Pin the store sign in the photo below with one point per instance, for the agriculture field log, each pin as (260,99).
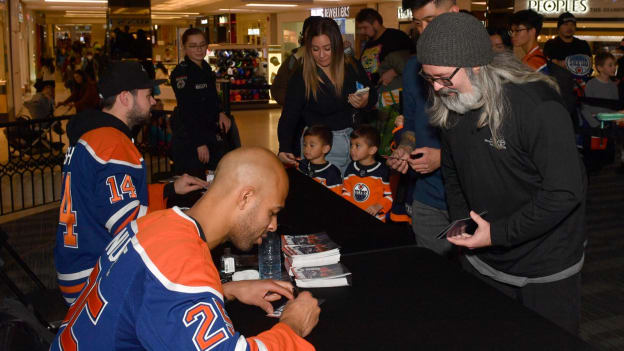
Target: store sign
(331,12)
(580,8)
(558,6)
(404,14)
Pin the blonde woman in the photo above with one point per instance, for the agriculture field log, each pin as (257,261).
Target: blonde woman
(322,91)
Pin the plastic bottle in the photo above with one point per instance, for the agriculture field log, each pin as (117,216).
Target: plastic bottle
(269,257)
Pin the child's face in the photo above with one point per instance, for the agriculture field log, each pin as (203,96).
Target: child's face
(608,67)
(360,150)
(314,149)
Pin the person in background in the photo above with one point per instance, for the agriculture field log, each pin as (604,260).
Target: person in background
(526,25)
(85,93)
(290,65)
(366,183)
(317,142)
(156,286)
(90,67)
(41,105)
(419,148)
(508,148)
(199,117)
(566,45)
(161,71)
(602,86)
(46,74)
(322,91)
(501,41)
(381,41)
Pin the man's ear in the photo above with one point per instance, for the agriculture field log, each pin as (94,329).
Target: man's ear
(245,197)
(476,70)
(454,8)
(372,150)
(124,98)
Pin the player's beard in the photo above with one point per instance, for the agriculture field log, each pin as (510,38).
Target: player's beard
(461,102)
(136,116)
(245,234)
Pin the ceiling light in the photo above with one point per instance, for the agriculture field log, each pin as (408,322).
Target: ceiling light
(272,5)
(175,13)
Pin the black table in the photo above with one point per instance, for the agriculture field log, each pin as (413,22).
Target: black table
(310,208)
(403,297)
(409,298)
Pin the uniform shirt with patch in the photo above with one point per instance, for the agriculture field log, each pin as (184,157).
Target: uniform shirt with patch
(142,296)
(365,186)
(326,174)
(198,103)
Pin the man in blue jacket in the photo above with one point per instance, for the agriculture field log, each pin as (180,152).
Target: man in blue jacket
(421,141)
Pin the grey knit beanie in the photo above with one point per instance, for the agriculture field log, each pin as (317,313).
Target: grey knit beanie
(455,40)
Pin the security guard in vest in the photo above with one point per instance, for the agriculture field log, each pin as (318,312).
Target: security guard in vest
(198,117)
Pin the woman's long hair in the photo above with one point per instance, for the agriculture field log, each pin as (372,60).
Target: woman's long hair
(328,27)
(489,80)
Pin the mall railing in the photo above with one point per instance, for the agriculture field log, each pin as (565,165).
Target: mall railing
(32,154)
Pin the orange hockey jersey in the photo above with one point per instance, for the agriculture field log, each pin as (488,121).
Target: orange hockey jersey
(365,186)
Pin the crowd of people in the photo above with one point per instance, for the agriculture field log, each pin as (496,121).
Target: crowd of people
(483,134)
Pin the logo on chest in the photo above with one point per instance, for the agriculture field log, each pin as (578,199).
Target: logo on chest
(500,143)
(361,192)
(201,86)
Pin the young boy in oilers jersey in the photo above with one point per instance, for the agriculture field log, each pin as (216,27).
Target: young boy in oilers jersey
(317,142)
(155,286)
(366,179)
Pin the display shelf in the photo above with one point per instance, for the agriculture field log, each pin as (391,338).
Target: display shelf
(244,67)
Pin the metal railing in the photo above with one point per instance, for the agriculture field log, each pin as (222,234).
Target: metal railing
(32,154)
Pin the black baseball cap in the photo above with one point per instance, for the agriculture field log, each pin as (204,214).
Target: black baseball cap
(125,76)
(565,17)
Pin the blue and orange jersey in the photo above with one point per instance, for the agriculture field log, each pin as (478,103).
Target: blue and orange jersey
(535,59)
(365,186)
(104,188)
(326,174)
(155,287)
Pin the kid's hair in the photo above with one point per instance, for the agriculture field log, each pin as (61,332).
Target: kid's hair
(602,57)
(369,134)
(321,132)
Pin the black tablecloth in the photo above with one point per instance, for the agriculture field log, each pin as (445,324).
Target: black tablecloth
(409,298)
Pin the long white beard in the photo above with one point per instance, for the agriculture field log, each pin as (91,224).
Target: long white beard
(461,102)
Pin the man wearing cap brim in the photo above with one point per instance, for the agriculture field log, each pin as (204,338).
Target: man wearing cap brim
(508,148)
(566,44)
(104,183)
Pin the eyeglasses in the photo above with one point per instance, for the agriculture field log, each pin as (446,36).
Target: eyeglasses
(446,81)
(193,47)
(514,31)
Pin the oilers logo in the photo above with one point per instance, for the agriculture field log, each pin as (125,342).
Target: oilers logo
(361,192)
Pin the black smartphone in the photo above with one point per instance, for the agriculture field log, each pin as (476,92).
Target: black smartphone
(459,227)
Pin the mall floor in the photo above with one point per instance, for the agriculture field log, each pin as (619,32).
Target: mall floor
(603,274)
